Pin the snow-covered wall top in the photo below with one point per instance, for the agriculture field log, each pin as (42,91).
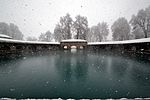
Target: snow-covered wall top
(122,42)
(74,40)
(25,42)
(77,40)
(5,36)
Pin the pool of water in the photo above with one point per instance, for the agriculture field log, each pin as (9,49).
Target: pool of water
(81,74)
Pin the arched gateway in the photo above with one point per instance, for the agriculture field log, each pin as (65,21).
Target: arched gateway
(73,43)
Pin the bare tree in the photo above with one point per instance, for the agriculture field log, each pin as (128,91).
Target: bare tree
(42,37)
(47,37)
(29,38)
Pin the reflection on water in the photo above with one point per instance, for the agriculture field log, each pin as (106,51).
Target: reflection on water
(73,50)
(79,74)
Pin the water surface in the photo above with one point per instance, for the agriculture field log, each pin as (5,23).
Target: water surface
(65,74)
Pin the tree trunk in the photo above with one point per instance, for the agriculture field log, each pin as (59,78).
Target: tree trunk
(145,33)
(77,33)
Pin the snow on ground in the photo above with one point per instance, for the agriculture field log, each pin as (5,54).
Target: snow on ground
(121,42)
(74,40)
(24,42)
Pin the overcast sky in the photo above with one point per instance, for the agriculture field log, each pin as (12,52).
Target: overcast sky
(36,16)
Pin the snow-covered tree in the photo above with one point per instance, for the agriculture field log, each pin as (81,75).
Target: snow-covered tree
(138,32)
(4,28)
(15,33)
(91,34)
(81,27)
(63,29)
(98,33)
(48,36)
(120,29)
(11,30)
(142,20)
(58,33)
(103,30)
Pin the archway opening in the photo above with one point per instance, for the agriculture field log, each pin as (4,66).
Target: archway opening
(73,47)
(65,47)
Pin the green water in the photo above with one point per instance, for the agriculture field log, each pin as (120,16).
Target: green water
(65,74)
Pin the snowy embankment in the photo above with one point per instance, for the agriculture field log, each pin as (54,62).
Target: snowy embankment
(5,36)
(73,40)
(25,42)
(144,40)
(80,99)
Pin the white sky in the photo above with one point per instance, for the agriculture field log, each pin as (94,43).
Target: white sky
(36,16)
